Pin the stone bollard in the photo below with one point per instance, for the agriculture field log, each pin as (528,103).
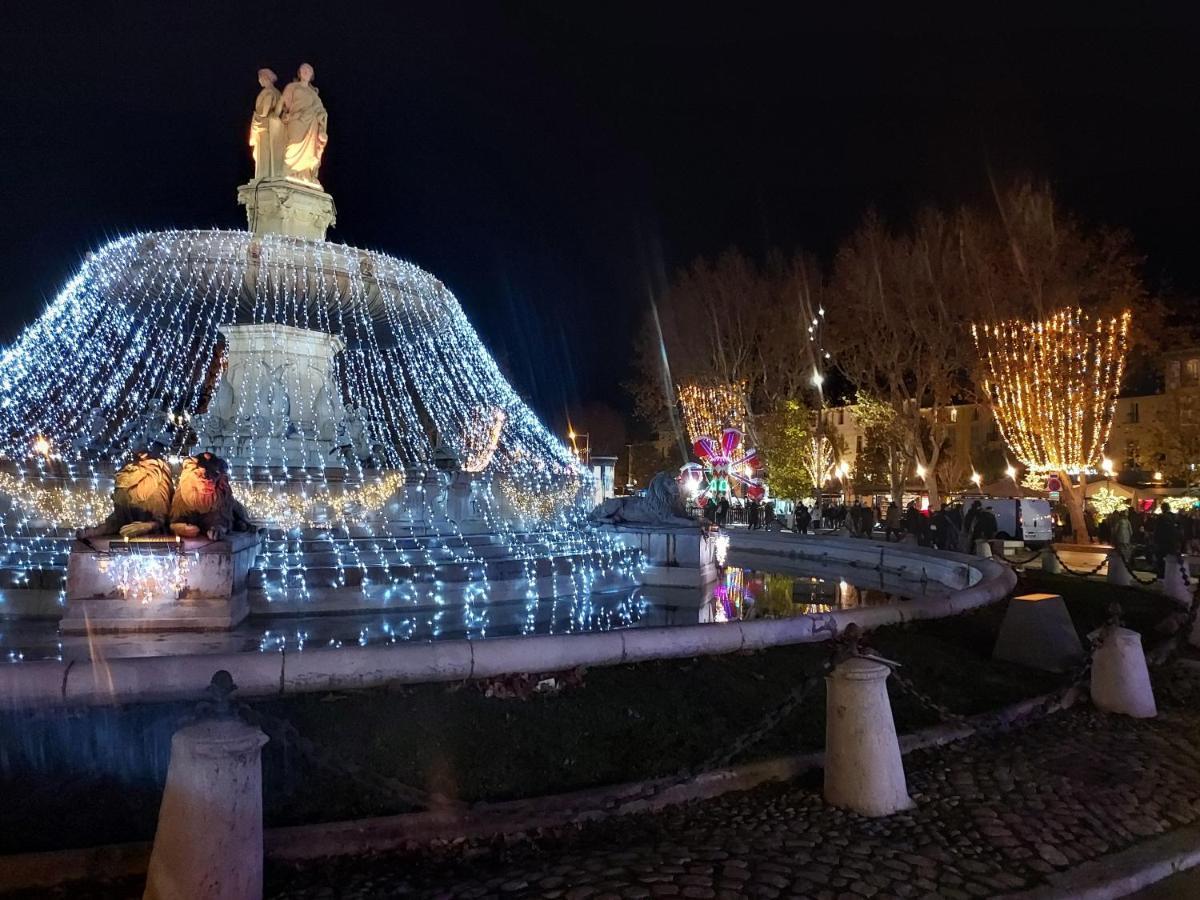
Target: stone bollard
(1037,631)
(209,840)
(1118,569)
(863,769)
(984,549)
(1050,563)
(1120,679)
(1173,584)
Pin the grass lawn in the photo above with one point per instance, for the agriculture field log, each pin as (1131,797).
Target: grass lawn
(94,776)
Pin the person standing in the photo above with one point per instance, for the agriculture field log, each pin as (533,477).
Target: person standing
(912,519)
(1167,540)
(939,523)
(969,525)
(1122,535)
(867,520)
(891,522)
(985,524)
(803,518)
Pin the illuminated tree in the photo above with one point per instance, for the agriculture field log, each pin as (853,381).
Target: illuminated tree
(710,409)
(1053,384)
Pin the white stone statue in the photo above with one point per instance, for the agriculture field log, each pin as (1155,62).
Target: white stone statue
(662,505)
(266,128)
(304,123)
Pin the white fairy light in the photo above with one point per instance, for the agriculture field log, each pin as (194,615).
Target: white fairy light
(126,354)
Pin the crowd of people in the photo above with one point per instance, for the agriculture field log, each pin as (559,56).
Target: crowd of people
(1153,533)
(951,527)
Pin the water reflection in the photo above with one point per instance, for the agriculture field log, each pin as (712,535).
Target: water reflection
(745,594)
(738,594)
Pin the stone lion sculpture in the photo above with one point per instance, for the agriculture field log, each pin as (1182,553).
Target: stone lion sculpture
(662,505)
(141,495)
(204,501)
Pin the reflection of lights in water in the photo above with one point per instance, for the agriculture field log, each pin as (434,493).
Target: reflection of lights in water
(145,578)
(569,614)
(746,594)
(848,596)
(721,544)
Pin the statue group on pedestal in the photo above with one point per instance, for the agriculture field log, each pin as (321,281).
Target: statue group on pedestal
(288,131)
(147,501)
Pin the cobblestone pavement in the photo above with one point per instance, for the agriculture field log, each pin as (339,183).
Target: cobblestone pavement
(995,814)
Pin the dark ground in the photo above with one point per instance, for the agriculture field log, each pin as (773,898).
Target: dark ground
(94,776)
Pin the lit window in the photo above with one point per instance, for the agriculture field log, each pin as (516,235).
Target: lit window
(1191,372)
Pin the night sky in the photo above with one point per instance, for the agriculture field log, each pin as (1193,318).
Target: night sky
(554,162)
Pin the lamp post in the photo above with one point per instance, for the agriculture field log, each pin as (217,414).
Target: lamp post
(586,455)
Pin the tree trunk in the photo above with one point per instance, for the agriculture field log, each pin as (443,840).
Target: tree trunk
(931,487)
(896,477)
(1072,496)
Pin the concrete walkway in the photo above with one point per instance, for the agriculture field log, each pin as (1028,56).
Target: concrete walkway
(995,815)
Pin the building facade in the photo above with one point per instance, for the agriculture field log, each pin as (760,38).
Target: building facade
(1154,437)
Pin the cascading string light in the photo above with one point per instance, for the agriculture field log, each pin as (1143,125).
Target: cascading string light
(710,409)
(141,323)
(1053,385)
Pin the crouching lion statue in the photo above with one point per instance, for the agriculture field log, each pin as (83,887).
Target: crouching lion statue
(204,501)
(141,497)
(662,505)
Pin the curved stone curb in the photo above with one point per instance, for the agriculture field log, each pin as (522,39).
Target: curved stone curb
(296,843)
(1124,872)
(974,582)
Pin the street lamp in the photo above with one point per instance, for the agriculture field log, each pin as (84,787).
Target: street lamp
(587,445)
(920,471)
(1011,472)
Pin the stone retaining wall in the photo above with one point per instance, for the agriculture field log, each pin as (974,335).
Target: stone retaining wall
(973,582)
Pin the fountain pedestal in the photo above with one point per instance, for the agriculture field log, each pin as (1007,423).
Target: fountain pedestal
(158,584)
(281,205)
(278,403)
(676,556)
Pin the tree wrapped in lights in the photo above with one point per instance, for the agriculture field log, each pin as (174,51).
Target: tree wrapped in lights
(1053,385)
(709,409)
(820,458)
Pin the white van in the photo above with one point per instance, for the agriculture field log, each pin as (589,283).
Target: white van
(1027,519)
